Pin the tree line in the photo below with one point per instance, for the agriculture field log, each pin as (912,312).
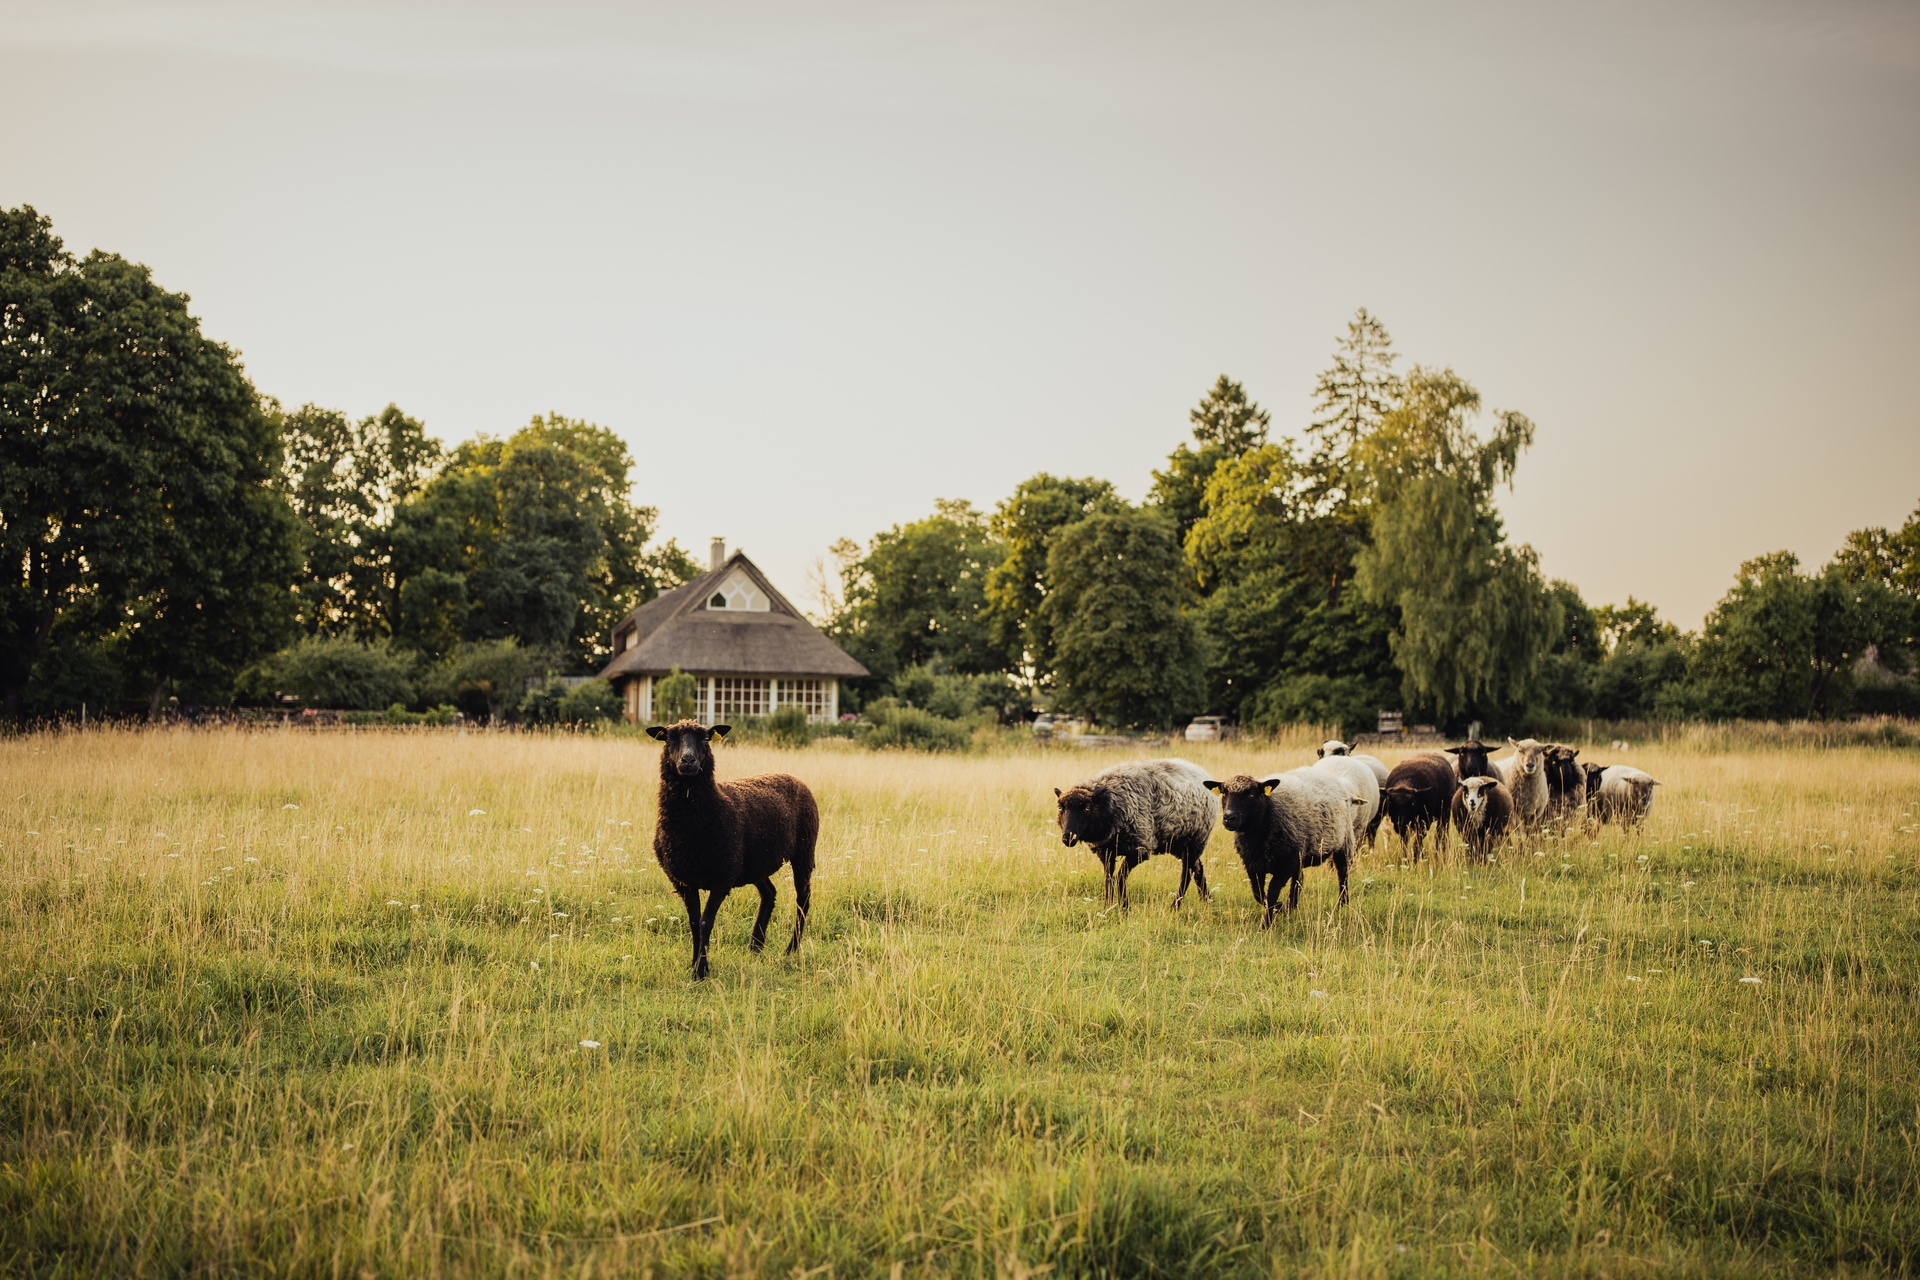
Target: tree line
(179,539)
(1359,565)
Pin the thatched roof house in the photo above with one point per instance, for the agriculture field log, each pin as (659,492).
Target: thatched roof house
(750,651)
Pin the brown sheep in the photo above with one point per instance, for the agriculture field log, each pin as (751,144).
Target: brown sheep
(1483,811)
(1418,798)
(720,836)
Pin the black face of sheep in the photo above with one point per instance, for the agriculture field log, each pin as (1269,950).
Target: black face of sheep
(1243,801)
(1085,814)
(689,746)
(1473,755)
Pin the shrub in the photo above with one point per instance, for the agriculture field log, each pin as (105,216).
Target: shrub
(333,671)
(675,697)
(541,704)
(494,673)
(787,727)
(910,728)
(958,697)
(397,714)
(590,702)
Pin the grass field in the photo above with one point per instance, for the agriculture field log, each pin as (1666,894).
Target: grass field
(416,1004)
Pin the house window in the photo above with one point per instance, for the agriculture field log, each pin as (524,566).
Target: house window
(811,696)
(738,696)
(739,592)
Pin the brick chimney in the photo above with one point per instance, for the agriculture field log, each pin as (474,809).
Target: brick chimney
(719,552)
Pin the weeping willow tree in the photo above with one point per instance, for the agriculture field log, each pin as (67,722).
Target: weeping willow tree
(1474,615)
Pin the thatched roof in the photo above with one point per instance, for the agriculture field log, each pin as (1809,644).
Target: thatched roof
(678,629)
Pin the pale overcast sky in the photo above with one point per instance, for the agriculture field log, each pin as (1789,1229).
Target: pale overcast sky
(821,264)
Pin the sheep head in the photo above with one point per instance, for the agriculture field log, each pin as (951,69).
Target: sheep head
(1333,747)
(1473,793)
(1243,800)
(1084,813)
(1528,755)
(688,749)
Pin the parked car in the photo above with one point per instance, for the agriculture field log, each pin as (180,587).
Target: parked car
(1043,726)
(1207,729)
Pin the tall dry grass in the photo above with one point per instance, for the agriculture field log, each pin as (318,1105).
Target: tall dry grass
(320,1004)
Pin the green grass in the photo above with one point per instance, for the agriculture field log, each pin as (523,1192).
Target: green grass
(211,1065)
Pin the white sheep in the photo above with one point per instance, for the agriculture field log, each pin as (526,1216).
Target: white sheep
(1360,779)
(1337,748)
(1525,775)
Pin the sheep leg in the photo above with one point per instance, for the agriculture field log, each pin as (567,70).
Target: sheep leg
(714,900)
(803,901)
(1186,878)
(759,939)
(1200,879)
(1126,869)
(1259,886)
(1106,862)
(1272,900)
(691,897)
(1293,892)
(1340,860)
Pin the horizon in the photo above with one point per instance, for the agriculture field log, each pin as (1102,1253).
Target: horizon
(891,256)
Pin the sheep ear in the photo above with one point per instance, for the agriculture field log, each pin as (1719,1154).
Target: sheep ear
(1573,753)
(1209,784)
(1321,752)
(1453,751)
(1266,788)
(722,730)
(657,731)
(1512,743)
(1056,791)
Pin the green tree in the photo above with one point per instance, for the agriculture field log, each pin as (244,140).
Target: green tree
(140,503)
(918,595)
(345,480)
(534,537)
(335,671)
(1125,653)
(1785,645)
(1025,525)
(1352,397)
(1284,642)
(1635,622)
(1226,424)
(1474,616)
(676,696)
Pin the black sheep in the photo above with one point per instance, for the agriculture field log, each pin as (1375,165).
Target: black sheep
(1418,797)
(1284,824)
(1566,782)
(719,836)
(1473,761)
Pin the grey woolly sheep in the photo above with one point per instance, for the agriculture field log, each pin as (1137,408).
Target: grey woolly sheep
(1134,810)
(1284,824)
(1626,793)
(1360,780)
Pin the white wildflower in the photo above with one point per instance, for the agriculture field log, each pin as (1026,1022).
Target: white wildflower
(476,813)
(589,1044)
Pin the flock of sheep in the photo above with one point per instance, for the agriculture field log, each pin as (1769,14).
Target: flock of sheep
(718,836)
(1283,823)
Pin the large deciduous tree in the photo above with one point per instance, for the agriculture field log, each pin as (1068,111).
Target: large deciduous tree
(1124,651)
(917,596)
(1474,616)
(1025,525)
(1226,424)
(534,538)
(141,507)
(346,479)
